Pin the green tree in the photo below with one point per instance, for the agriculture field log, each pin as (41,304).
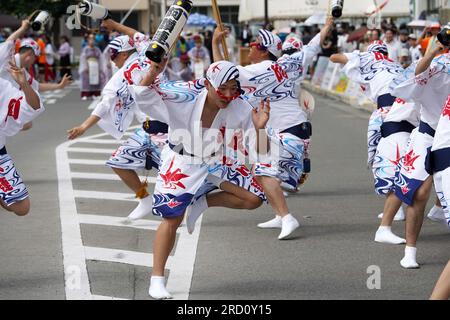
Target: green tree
(23,8)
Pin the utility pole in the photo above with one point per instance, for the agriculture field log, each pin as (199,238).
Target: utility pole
(266,13)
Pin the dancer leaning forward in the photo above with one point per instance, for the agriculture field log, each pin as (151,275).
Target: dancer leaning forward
(209,123)
(427,151)
(117,109)
(278,78)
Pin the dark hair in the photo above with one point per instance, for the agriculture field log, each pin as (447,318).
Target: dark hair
(392,30)
(25,49)
(271,56)
(65,38)
(290,51)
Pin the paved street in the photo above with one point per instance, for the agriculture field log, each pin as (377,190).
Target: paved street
(75,243)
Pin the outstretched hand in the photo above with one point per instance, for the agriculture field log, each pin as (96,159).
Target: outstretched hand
(261,116)
(75,132)
(65,81)
(218,35)
(108,24)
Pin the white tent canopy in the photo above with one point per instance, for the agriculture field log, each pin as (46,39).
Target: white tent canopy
(300,9)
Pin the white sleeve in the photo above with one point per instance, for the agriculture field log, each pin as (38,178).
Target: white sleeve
(245,75)
(424,86)
(150,102)
(351,68)
(311,50)
(6,53)
(141,42)
(108,101)
(16,111)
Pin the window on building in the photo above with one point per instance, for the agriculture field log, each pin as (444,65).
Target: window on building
(230,15)
(200,10)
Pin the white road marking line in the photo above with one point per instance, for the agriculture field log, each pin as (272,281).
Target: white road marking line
(181,264)
(88,161)
(99,297)
(91,150)
(72,245)
(105,176)
(50,101)
(120,256)
(91,194)
(118,222)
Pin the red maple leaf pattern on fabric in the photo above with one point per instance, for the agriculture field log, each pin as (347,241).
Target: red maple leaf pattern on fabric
(173,203)
(243,170)
(405,189)
(446,109)
(398,158)
(172,178)
(5,186)
(408,161)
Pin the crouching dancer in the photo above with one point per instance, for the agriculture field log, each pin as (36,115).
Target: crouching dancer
(210,110)
(20,106)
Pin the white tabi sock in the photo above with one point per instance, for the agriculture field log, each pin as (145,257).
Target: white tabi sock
(194,211)
(399,216)
(409,260)
(274,223)
(436,214)
(143,208)
(288,225)
(384,234)
(158,289)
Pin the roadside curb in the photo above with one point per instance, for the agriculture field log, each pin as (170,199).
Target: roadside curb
(349,100)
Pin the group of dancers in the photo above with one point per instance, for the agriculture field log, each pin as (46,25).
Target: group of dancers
(239,135)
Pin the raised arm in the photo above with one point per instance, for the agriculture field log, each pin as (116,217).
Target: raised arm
(111,25)
(339,58)
(217,43)
(425,62)
(19,76)
(326,28)
(19,32)
(152,74)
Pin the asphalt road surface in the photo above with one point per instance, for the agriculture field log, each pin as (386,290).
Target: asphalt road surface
(75,243)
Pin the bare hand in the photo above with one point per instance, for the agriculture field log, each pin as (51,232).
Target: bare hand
(25,24)
(75,132)
(218,35)
(108,24)
(261,116)
(438,48)
(18,74)
(330,21)
(65,81)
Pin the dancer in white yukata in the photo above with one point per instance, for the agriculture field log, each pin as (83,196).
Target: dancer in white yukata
(19,106)
(207,126)
(396,129)
(288,126)
(28,52)
(413,181)
(375,71)
(117,109)
(291,46)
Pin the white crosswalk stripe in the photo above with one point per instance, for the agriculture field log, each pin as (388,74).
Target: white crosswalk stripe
(77,254)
